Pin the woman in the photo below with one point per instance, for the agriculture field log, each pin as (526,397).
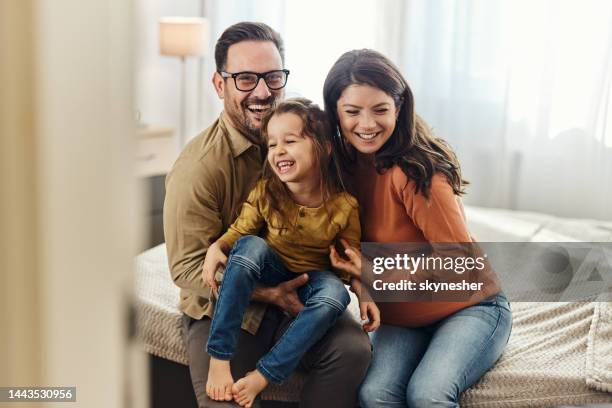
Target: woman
(407,183)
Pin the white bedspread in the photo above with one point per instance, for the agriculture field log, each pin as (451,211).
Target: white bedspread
(544,363)
(558,354)
(599,349)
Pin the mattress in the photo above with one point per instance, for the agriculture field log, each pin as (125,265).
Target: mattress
(558,353)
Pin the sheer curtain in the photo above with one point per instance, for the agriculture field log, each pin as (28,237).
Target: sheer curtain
(521,89)
(315,32)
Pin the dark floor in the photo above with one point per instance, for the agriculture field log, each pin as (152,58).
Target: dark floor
(274,404)
(170,387)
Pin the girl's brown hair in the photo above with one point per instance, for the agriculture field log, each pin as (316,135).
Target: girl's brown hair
(315,125)
(412,145)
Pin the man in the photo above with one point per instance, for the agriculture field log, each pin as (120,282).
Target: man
(204,191)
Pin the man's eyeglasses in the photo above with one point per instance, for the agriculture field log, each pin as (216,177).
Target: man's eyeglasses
(247,81)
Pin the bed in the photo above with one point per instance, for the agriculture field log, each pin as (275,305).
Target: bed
(559,354)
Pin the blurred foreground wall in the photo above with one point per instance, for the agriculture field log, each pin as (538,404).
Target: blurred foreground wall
(68,199)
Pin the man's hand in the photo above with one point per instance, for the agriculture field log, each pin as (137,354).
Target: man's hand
(284,295)
(215,258)
(352,266)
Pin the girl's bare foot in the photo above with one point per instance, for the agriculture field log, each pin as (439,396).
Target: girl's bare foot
(247,388)
(220,380)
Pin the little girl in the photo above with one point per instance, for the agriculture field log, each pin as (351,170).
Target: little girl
(286,226)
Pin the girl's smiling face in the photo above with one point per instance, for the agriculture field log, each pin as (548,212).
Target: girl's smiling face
(367,117)
(291,153)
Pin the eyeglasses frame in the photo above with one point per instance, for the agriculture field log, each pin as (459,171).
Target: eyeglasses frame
(233,75)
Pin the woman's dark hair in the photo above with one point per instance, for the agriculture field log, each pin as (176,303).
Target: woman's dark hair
(412,145)
(245,31)
(316,127)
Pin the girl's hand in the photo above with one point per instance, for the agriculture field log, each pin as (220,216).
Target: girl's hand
(352,266)
(367,308)
(215,258)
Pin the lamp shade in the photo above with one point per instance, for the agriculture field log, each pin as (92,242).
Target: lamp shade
(182,36)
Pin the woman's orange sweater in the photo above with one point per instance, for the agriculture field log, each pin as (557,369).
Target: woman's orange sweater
(391,211)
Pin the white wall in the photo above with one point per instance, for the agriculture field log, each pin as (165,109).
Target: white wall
(158,82)
(70,224)
(88,232)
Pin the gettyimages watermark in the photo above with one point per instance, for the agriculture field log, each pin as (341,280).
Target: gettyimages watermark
(525,271)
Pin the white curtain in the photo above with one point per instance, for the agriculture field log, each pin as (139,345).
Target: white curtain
(521,89)
(317,32)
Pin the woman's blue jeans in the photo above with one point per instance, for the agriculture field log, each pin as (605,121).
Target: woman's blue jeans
(431,366)
(252,262)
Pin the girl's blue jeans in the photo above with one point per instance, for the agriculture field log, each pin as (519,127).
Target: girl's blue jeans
(431,366)
(252,262)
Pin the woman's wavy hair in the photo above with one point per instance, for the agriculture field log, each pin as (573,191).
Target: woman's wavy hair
(412,145)
(315,126)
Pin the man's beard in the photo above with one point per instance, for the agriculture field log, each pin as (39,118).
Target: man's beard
(242,121)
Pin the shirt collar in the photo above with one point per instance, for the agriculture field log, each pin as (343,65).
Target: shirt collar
(239,142)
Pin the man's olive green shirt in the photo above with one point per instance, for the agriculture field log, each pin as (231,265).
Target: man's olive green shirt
(204,192)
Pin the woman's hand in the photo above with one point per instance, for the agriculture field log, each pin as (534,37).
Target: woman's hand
(352,266)
(367,308)
(215,258)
